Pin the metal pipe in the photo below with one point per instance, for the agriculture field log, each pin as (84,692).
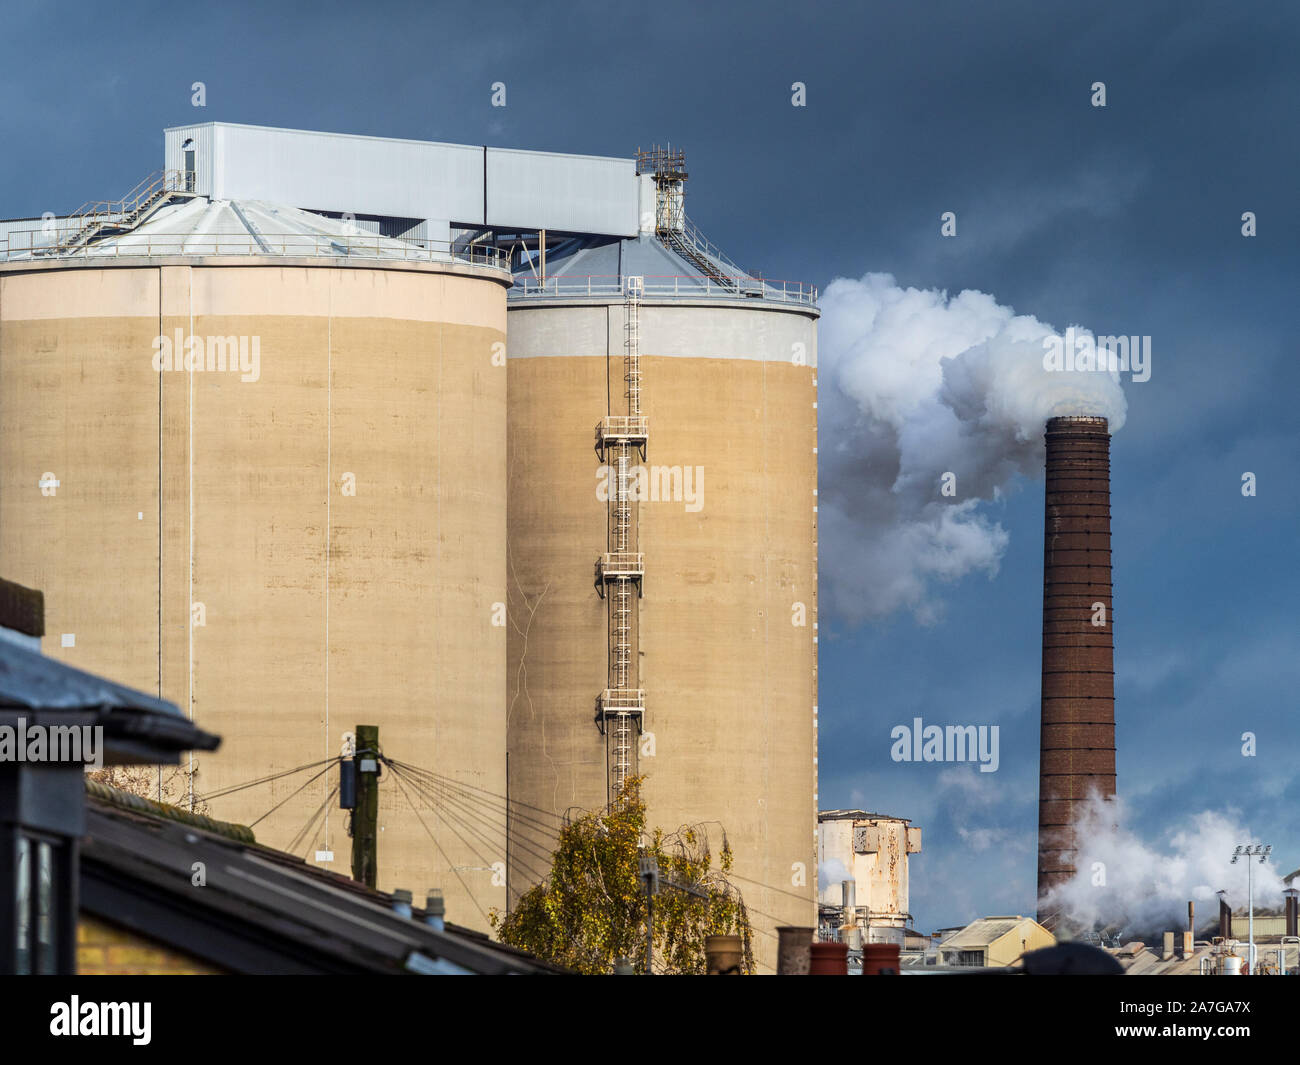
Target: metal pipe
(1225,916)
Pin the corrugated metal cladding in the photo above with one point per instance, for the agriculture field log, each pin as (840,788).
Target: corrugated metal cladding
(575,193)
(334,172)
(451,183)
(174,157)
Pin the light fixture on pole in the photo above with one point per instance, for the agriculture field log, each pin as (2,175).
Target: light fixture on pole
(1247,851)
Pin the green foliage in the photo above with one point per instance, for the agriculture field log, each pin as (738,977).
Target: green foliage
(591,910)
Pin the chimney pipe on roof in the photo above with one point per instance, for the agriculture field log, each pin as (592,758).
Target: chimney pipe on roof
(1292,910)
(434,911)
(1225,916)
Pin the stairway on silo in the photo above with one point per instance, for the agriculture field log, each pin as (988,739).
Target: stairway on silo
(122,216)
(678,241)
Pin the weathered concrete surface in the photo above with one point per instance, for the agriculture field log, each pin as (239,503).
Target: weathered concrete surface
(730,680)
(321,610)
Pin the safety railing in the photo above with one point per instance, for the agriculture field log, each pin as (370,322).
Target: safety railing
(664,286)
(621,564)
(52,243)
(157,184)
(697,240)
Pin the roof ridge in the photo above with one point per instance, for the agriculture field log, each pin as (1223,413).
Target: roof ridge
(127,800)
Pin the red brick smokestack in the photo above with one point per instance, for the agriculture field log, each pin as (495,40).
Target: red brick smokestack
(1077,748)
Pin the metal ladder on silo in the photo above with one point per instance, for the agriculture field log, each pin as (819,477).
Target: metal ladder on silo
(620,709)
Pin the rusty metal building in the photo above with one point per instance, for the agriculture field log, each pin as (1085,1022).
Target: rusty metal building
(863,863)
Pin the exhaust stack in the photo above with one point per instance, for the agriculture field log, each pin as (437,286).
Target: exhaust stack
(1077,747)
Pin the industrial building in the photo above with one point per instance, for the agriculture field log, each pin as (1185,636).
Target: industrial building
(870,905)
(490,448)
(994,942)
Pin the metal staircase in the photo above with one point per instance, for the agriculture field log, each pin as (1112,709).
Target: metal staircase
(691,245)
(673,229)
(101,217)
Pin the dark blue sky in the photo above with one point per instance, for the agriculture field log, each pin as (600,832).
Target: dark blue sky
(1126,219)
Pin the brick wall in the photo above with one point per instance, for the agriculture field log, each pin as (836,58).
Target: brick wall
(105,949)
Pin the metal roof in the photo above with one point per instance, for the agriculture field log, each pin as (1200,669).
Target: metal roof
(458,183)
(137,727)
(984,931)
(858,815)
(200,226)
(261,910)
(595,267)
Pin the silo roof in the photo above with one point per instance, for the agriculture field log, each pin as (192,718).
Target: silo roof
(596,266)
(200,226)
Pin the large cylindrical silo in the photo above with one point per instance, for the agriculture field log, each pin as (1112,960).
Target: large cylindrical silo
(716,424)
(292,528)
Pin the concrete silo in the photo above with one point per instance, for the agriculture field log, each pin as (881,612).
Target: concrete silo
(297,525)
(662,476)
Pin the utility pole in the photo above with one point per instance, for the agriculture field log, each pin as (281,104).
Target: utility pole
(365,817)
(648,869)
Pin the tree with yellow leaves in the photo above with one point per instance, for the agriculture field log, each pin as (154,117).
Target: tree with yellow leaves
(592,908)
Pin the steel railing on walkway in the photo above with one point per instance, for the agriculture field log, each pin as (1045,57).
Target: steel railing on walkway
(664,285)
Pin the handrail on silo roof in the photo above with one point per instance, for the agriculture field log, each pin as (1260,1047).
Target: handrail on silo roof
(24,246)
(97,216)
(572,286)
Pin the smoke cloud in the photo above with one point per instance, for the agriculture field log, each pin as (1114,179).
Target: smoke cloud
(1140,891)
(917,385)
(831,871)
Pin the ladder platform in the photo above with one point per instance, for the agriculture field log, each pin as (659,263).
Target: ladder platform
(620,702)
(614,430)
(619,566)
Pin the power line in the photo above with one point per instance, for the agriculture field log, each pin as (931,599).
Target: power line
(519,841)
(221,792)
(474,787)
(519,822)
(451,816)
(398,780)
(453,820)
(782,891)
(467,843)
(303,832)
(290,796)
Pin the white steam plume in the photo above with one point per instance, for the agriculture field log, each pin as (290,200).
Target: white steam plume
(1145,890)
(916,385)
(831,871)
